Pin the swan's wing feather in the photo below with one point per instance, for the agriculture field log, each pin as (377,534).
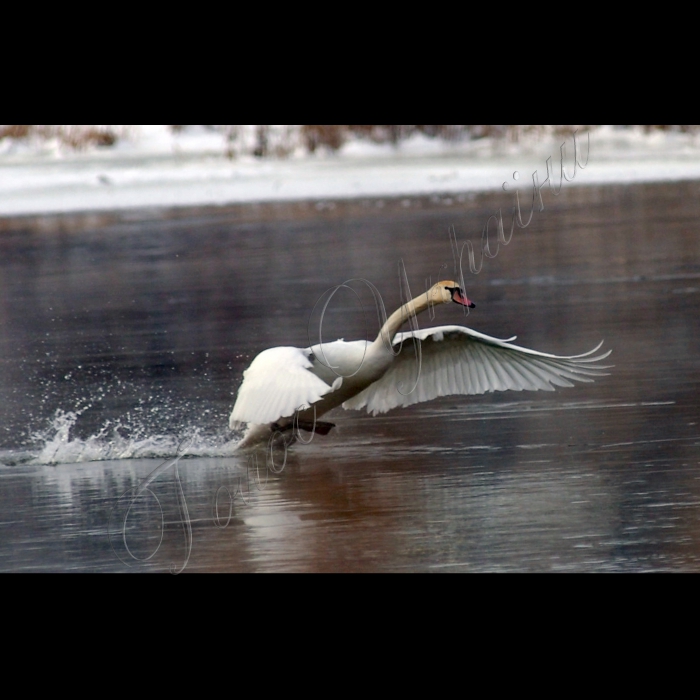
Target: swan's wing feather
(276,384)
(459,360)
(338,359)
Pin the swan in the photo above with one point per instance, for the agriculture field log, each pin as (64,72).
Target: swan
(289,388)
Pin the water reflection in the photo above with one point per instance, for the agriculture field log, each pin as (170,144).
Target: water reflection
(141,328)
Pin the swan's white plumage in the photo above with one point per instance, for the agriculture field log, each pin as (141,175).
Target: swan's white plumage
(458,360)
(277,383)
(307,383)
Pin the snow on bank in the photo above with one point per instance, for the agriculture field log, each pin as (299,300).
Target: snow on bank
(154,167)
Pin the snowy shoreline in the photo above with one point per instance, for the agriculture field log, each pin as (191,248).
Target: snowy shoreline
(188,173)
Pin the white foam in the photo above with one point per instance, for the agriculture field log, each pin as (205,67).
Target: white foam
(58,445)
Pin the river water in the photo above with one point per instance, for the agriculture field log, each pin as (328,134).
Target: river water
(123,338)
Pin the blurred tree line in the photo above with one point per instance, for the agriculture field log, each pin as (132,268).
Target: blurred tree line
(283,140)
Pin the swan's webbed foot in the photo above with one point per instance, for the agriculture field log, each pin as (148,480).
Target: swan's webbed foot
(320,427)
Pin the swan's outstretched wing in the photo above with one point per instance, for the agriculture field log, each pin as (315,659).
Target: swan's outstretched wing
(458,360)
(276,384)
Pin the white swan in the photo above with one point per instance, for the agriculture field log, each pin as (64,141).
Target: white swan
(286,387)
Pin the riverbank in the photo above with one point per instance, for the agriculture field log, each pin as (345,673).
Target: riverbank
(182,173)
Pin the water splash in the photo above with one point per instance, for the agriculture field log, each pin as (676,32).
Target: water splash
(58,444)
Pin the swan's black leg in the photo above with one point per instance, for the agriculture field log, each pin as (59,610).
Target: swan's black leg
(319,427)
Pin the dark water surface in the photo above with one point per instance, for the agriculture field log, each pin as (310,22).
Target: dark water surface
(123,338)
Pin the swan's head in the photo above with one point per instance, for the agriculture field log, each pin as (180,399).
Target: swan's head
(447,291)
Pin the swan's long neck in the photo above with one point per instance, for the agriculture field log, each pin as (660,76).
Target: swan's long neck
(399,317)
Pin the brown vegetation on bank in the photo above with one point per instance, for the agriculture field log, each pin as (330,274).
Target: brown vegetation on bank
(77,137)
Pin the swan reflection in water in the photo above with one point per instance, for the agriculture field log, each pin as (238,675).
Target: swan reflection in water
(288,388)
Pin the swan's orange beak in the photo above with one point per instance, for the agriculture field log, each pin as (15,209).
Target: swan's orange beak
(461,298)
